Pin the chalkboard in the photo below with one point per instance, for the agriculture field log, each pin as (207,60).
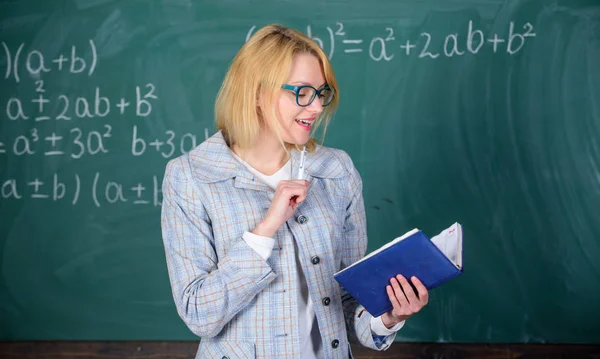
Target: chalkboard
(481,112)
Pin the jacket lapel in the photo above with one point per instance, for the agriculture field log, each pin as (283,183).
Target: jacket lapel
(318,164)
(213,161)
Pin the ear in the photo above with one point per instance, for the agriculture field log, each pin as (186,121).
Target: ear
(259,112)
(258,106)
(258,101)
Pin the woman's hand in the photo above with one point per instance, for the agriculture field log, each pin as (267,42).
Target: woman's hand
(404,300)
(288,194)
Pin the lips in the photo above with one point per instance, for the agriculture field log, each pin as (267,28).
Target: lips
(306,124)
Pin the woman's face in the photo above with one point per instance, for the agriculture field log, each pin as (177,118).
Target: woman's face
(305,70)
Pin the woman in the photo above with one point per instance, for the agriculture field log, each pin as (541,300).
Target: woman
(251,248)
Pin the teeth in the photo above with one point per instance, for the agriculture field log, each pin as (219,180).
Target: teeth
(304,122)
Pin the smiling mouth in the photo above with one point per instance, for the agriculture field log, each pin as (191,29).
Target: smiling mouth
(305,124)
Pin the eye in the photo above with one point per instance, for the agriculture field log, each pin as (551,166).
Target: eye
(304,91)
(325,93)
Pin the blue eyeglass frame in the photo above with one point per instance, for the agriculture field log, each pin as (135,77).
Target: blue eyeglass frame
(296,90)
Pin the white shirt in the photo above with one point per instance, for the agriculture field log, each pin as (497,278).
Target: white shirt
(310,338)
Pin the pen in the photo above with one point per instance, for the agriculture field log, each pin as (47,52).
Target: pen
(302,159)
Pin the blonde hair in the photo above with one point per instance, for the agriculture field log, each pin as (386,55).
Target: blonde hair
(258,71)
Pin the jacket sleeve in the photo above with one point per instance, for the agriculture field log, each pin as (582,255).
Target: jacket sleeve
(208,290)
(358,320)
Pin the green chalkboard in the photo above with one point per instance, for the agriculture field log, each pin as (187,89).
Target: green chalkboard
(482,112)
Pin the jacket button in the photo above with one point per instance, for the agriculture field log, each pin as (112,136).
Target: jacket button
(326,301)
(302,219)
(335,343)
(315,260)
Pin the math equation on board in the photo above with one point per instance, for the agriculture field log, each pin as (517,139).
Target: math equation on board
(387,46)
(45,106)
(71,189)
(50,123)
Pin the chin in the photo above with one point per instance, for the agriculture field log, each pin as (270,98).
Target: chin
(302,140)
(297,139)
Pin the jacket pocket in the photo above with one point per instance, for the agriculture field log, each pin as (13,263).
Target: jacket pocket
(223,349)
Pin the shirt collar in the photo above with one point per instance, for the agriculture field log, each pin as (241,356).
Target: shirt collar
(213,161)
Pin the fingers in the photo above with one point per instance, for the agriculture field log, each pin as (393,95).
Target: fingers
(399,292)
(392,296)
(293,189)
(423,293)
(408,290)
(288,194)
(293,182)
(404,300)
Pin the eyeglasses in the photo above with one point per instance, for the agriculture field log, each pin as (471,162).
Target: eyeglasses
(305,94)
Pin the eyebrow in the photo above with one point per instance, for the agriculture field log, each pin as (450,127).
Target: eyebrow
(306,83)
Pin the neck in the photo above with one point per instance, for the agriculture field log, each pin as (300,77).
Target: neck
(267,155)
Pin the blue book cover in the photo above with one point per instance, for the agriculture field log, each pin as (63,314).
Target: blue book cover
(434,261)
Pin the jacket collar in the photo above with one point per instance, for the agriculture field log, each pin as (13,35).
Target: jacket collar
(213,161)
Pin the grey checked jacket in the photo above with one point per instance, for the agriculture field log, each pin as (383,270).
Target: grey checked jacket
(239,304)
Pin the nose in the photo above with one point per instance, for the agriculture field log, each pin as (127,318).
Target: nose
(315,107)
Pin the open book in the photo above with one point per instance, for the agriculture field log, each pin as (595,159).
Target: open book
(434,261)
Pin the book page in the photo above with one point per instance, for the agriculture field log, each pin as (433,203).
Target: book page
(405,235)
(449,241)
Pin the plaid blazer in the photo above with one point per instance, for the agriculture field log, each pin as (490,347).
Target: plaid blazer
(239,304)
